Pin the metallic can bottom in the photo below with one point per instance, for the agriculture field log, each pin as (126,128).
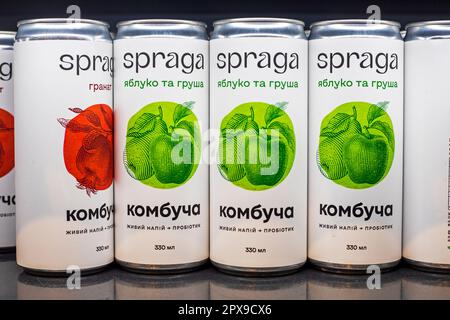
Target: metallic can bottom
(258,272)
(8,250)
(428,267)
(61,273)
(351,268)
(161,268)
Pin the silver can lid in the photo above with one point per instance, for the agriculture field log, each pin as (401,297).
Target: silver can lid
(428,23)
(161,28)
(61,20)
(7,39)
(258,20)
(62,29)
(355,22)
(428,30)
(161,21)
(355,28)
(258,27)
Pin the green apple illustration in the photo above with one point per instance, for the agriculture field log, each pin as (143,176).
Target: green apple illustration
(137,149)
(271,163)
(366,157)
(331,148)
(160,126)
(257,145)
(136,159)
(231,157)
(356,145)
(167,169)
(251,127)
(163,144)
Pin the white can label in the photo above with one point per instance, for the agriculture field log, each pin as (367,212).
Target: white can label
(7,194)
(356,143)
(259,157)
(427,152)
(161,190)
(63,100)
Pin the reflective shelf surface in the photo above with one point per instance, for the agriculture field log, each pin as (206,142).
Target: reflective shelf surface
(207,283)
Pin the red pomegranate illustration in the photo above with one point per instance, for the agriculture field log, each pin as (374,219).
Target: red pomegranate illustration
(88,147)
(6,142)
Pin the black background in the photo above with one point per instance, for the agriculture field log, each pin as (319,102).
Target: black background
(309,11)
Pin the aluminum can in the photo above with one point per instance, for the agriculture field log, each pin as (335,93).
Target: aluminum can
(7,193)
(161,114)
(64,145)
(355,145)
(258,119)
(426,228)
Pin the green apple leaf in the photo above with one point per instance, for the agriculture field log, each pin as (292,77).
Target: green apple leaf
(285,131)
(251,125)
(376,111)
(180,112)
(329,134)
(386,129)
(339,123)
(383,105)
(144,124)
(274,111)
(237,121)
(138,134)
(189,104)
(282,105)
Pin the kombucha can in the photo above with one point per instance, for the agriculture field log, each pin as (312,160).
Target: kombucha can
(7,193)
(161,99)
(258,125)
(355,145)
(64,145)
(426,229)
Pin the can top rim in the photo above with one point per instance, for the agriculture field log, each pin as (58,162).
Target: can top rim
(8,33)
(428,23)
(161,21)
(354,21)
(62,20)
(258,19)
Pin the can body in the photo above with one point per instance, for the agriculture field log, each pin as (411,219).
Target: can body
(161,190)
(64,146)
(426,231)
(258,171)
(355,145)
(7,193)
